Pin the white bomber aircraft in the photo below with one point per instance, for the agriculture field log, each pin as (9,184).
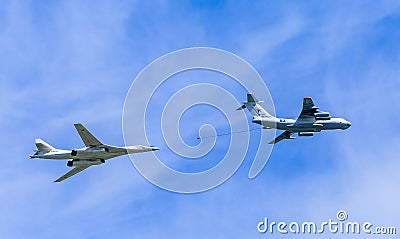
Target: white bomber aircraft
(94,153)
(311,120)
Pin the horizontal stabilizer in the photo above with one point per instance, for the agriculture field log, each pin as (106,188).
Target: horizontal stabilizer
(241,107)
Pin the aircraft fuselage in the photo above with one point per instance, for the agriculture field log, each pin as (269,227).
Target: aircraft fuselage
(105,152)
(293,126)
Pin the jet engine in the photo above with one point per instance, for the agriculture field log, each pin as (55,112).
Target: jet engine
(322,116)
(305,133)
(81,152)
(88,162)
(74,152)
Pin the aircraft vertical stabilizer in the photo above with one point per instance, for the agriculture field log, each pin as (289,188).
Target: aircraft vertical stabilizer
(253,106)
(43,146)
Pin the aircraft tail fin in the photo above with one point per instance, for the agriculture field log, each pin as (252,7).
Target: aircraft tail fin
(253,106)
(43,146)
(252,99)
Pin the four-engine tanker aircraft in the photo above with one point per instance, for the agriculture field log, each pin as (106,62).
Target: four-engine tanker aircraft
(94,153)
(311,120)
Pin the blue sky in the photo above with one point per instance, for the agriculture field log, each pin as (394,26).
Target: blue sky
(64,62)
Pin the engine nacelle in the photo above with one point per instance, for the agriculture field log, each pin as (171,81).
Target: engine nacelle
(322,116)
(74,152)
(82,152)
(87,162)
(305,133)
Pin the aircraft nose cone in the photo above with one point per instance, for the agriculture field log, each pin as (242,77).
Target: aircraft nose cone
(153,148)
(348,124)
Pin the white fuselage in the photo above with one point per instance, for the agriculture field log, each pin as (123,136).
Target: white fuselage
(293,125)
(105,152)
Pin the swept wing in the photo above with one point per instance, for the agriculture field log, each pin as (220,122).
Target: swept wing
(72,173)
(307,114)
(284,135)
(88,139)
